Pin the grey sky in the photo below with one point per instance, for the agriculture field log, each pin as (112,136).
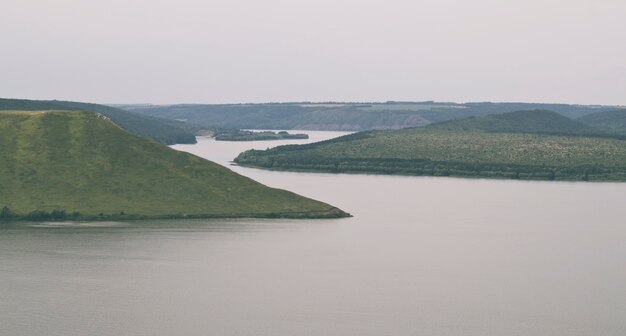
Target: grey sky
(165,51)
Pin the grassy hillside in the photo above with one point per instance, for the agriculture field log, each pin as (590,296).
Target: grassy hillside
(165,131)
(469,148)
(82,162)
(342,116)
(534,121)
(613,122)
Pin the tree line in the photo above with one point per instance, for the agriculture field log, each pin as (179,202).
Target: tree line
(426,167)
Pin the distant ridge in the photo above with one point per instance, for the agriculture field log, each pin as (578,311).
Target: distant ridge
(533,121)
(613,122)
(343,116)
(80,165)
(529,145)
(165,131)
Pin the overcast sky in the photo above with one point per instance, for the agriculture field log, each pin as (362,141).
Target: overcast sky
(208,51)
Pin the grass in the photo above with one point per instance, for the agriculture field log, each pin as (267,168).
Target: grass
(531,121)
(455,150)
(80,162)
(613,122)
(165,131)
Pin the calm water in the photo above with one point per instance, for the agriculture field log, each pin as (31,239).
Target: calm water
(422,256)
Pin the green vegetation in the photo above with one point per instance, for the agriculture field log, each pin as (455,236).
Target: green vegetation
(241,135)
(79,165)
(335,116)
(535,121)
(165,131)
(505,146)
(613,122)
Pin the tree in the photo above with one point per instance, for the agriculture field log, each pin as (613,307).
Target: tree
(58,214)
(6,213)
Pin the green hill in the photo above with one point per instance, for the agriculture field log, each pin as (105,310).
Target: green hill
(56,163)
(491,147)
(534,121)
(613,122)
(165,131)
(342,116)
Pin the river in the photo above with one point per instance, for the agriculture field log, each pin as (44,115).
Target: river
(421,256)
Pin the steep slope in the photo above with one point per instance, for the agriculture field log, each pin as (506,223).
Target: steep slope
(165,131)
(613,122)
(490,147)
(82,162)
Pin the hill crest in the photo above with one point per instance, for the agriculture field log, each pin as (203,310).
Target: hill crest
(613,122)
(80,162)
(529,121)
(165,131)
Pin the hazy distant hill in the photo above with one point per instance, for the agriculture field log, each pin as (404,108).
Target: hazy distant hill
(342,116)
(56,163)
(165,131)
(610,121)
(513,145)
(535,121)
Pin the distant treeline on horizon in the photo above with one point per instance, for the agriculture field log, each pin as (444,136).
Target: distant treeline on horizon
(342,116)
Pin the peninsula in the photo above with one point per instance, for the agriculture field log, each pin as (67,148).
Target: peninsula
(529,145)
(59,165)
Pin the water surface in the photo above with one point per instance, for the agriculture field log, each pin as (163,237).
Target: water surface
(422,256)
